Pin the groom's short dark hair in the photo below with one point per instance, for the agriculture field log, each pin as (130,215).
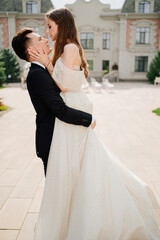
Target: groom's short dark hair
(20,43)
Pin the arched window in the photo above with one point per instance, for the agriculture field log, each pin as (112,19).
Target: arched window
(31,7)
(35,29)
(144,7)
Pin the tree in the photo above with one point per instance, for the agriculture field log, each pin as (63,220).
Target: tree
(154,69)
(12,68)
(2,71)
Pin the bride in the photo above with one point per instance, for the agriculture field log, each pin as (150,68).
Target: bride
(89,194)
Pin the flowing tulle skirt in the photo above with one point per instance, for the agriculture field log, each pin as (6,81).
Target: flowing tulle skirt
(90,195)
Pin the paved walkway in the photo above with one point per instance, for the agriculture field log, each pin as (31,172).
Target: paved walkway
(125,123)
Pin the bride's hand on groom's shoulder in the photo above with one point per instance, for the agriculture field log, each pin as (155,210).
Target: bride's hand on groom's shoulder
(93,125)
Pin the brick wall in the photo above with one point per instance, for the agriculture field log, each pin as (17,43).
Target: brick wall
(129,24)
(157,22)
(5,34)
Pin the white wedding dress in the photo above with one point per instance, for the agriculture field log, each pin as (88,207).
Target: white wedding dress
(89,194)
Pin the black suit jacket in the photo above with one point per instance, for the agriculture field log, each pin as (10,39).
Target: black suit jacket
(48,104)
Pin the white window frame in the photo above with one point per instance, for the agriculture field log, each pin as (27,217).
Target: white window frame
(143,35)
(142,63)
(106,40)
(31,7)
(87,40)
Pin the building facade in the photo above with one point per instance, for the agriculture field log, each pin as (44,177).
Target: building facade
(127,38)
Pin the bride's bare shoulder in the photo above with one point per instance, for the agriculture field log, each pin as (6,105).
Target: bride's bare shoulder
(71,48)
(71,55)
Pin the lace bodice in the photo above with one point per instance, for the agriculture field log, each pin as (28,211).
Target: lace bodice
(68,78)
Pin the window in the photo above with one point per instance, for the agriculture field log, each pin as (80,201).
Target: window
(31,7)
(105,65)
(141,64)
(87,40)
(144,7)
(35,29)
(106,40)
(90,63)
(142,35)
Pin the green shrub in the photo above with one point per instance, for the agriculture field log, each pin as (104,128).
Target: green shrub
(12,68)
(157,111)
(3,108)
(2,71)
(154,69)
(105,72)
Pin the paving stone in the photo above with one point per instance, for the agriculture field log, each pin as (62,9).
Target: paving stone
(27,230)
(4,194)
(13,212)
(28,184)
(8,234)
(10,177)
(3,166)
(36,203)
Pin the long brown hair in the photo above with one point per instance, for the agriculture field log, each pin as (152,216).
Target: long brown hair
(66,31)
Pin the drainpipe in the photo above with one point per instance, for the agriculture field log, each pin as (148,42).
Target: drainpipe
(124,52)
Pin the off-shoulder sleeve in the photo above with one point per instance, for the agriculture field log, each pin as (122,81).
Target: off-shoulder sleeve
(68,78)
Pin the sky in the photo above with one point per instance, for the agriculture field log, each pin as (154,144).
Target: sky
(113,3)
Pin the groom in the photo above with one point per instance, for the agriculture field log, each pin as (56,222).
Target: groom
(45,95)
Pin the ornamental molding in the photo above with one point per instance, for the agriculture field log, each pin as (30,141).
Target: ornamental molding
(90,28)
(132,37)
(32,23)
(142,51)
(143,23)
(92,52)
